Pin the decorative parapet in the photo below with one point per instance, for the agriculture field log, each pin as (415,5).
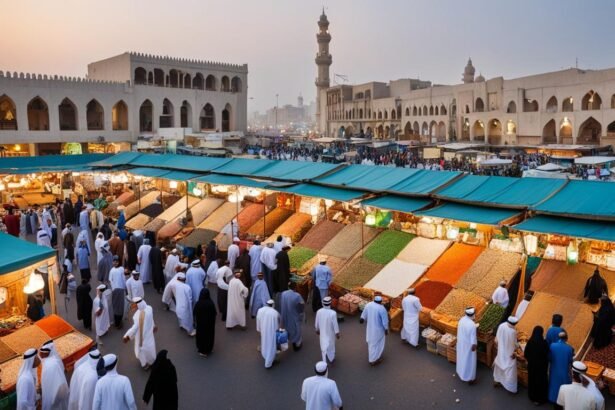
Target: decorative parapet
(174,60)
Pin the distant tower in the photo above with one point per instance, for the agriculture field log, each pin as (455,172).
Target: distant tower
(468,73)
(300,101)
(323,61)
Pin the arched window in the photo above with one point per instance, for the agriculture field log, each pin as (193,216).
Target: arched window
(479,106)
(425,110)
(8,114)
(393,114)
(146,115)
(95,116)
(589,132)
(386,115)
(549,135)
(207,118)
(443,110)
(530,105)
(119,116)
(407,114)
(140,76)
(379,115)
(360,112)
(591,101)
(67,113)
(187,81)
(38,115)
(226,118)
(185,115)
(567,105)
(236,84)
(613,101)
(414,111)
(198,82)
(431,110)
(211,83)
(467,109)
(552,105)
(159,77)
(479,131)
(436,110)
(512,107)
(166,118)
(226,84)
(174,78)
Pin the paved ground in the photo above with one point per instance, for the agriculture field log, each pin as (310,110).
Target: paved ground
(234,377)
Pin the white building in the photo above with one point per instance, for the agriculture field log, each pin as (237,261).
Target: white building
(122,98)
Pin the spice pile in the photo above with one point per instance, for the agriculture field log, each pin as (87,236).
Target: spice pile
(138,222)
(559,278)
(178,208)
(357,273)
(432,292)
(299,256)
(295,227)
(604,356)
(169,230)
(265,226)
(454,263)
(396,277)
(6,352)
(24,338)
(198,237)
(205,207)
(386,246)
(54,326)
(491,318)
(220,217)
(350,240)
(152,210)
(146,199)
(423,251)
(456,302)
(155,225)
(250,214)
(320,234)
(489,269)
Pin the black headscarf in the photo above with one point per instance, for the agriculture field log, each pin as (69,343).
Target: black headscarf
(595,287)
(162,383)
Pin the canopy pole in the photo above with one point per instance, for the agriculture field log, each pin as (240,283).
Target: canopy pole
(362,235)
(133,177)
(265,215)
(236,211)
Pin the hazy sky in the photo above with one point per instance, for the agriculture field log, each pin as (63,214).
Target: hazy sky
(372,39)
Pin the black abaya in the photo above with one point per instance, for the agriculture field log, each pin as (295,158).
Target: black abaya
(84,305)
(537,356)
(603,323)
(205,319)
(281,275)
(155,259)
(162,384)
(131,255)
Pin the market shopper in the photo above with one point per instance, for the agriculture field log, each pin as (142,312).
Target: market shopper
(195,278)
(183,304)
(268,258)
(134,286)
(561,355)
(595,287)
(327,329)
(162,384)
(113,391)
(232,253)
(575,395)
(170,265)
(505,364)
(205,319)
(54,387)
(411,305)
(223,277)
(259,295)
(83,383)
(118,291)
(105,264)
(319,392)
(281,276)
(155,260)
(98,244)
(26,381)
(292,309)
(536,354)
(322,276)
(377,329)
(466,347)
(255,259)
(145,266)
(555,329)
(116,245)
(267,322)
(236,302)
(603,323)
(101,315)
(591,386)
(84,303)
(500,295)
(142,332)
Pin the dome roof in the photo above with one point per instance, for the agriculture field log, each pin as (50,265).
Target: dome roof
(480,78)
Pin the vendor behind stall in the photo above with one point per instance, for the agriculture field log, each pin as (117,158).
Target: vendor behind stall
(595,287)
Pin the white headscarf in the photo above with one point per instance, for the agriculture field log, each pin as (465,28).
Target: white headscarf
(53,353)
(28,361)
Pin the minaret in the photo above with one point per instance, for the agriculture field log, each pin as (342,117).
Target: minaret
(468,73)
(323,61)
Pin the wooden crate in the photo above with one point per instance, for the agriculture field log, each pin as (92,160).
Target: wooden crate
(443,323)
(594,370)
(432,346)
(424,317)
(441,348)
(347,307)
(486,352)
(396,320)
(451,352)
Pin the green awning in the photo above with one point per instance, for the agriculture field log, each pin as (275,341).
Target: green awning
(316,191)
(397,203)
(243,166)
(294,170)
(424,182)
(19,254)
(180,176)
(582,199)
(49,163)
(366,177)
(501,191)
(469,213)
(216,179)
(149,172)
(578,228)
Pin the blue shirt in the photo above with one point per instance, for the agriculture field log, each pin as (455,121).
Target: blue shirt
(560,359)
(553,334)
(83,258)
(322,276)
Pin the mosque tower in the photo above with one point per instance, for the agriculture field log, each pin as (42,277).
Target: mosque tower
(468,73)
(323,62)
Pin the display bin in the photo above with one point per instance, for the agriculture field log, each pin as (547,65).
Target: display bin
(432,346)
(396,302)
(346,307)
(486,352)
(451,353)
(441,348)
(609,379)
(594,370)
(424,317)
(443,323)
(396,319)
(336,291)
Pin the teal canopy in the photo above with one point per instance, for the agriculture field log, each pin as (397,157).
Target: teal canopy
(119,159)
(397,203)
(49,163)
(179,162)
(582,199)
(216,179)
(19,254)
(424,182)
(180,176)
(316,191)
(243,166)
(578,228)
(294,170)
(501,191)
(468,213)
(366,177)
(149,172)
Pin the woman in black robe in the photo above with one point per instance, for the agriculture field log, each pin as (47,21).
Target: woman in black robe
(84,303)
(211,254)
(162,384)
(205,319)
(281,275)
(243,263)
(537,355)
(595,287)
(603,323)
(131,254)
(155,260)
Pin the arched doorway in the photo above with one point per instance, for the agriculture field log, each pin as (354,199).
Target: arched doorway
(38,115)
(416,129)
(548,133)
(146,116)
(207,118)
(610,130)
(408,130)
(465,130)
(591,101)
(552,105)
(185,114)
(8,114)
(567,105)
(226,118)
(565,131)
(95,116)
(512,108)
(495,132)
(236,85)
(425,129)
(379,131)
(67,113)
(433,131)
(166,118)
(478,130)
(590,132)
(119,116)
(349,131)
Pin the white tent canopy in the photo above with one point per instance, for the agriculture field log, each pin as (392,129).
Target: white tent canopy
(593,160)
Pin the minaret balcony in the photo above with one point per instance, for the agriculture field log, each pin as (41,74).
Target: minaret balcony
(323,59)
(323,37)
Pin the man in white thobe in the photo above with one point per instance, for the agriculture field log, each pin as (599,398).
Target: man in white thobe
(145,266)
(260,294)
(113,391)
(500,295)
(84,226)
(268,260)
(466,347)
(134,286)
(236,303)
(142,331)
(83,383)
(575,395)
(195,278)
(505,364)
(26,381)
(183,304)
(591,386)
(267,322)
(43,238)
(411,305)
(255,259)
(170,265)
(377,328)
(54,388)
(118,291)
(522,307)
(233,253)
(101,313)
(327,329)
(168,295)
(319,392)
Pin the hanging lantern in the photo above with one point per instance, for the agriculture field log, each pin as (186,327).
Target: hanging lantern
(235,197)
(35,283)
(314,210)
(173,184)
(572,253)
(531,243)
(370,220)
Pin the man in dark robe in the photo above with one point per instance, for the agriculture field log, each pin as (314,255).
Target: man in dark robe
(211,254)
(35,310)
(595,287)
(162,384)
(84,303)
(105,264)
(68,243)
(78,208)
(536,354)
(116,245)
(281,276)
(69,212)
(131,254)
(106,229)
(243,263)
(205,319)
(155,260)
